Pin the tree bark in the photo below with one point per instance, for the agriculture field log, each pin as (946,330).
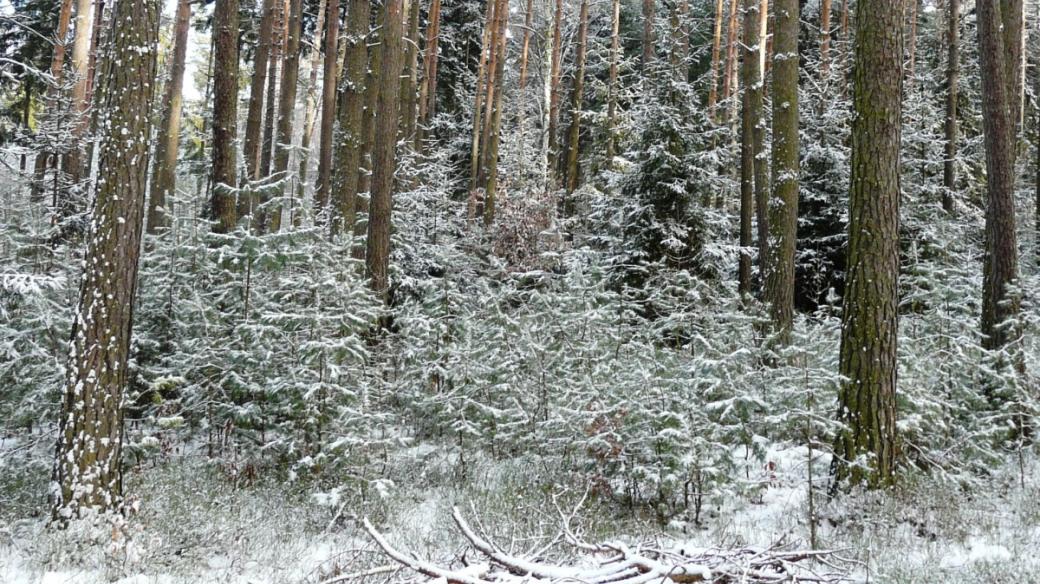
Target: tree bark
(480,93)
(164,176)
(287,108)
(87,467)
(225,115)
(761,157)
(1000,268)
(375,70)
(1012,13)
(254,118)
(377,258)
(311,112)
(716,55)
(867,397)
(278,36)
(81,74)
(751,117)
(428,93)
(555,77)
(912,41)
(322,193)
(349,146)
(495,125)
(410,80)
(952,75)
(784,210)
(577,99)
(612,78)
(729,86)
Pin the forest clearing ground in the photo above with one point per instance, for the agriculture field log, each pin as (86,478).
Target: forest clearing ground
(268,533)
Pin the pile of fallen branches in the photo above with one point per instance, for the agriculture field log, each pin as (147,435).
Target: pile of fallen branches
(615,563)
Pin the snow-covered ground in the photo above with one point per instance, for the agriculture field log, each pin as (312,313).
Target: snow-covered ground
(194,526)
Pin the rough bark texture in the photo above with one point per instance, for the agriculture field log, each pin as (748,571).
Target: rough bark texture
(254,117)
(479,98)
(555,75)
(271,101)
(348,147)
(866,448)
(377,257)
(757,91)
(730,83)
(74,160)
(410,79)
(87,467)
(375,71)
(225,115)
(328,114)
(311,112)
(287,105)
(911,40)
(953,67)
(784,208)
(577,99)
(1012,14)
(164,177)
(1000,267)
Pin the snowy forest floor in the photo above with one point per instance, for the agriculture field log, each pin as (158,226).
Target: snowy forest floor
(196,525)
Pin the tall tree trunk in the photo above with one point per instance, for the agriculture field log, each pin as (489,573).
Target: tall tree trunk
(311,113)
(428,93)
(784,211)
(410,80)
(95,42)
(730,84)
(495,107)
(87,467)
(61,34)
(1000,268)
(254,118)
(953,67)
(577,99)
(1012,13)
(521,115)
(322,193)
(761,157)
(81,72)
(825,38)
(649,10)
(867,397)
(716,55)
(911,67)
(612,78)
(287,108)
(492,92)
(480,93)
(751,114)
(164,177)
(372,87)
(348,150)
(555,76)
(680,49)
(225,115)
(278,36)
(377,258)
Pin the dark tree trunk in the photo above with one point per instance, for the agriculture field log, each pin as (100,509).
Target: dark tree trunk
(377,258)
(428,93)
(254,118)
(577,99)
(164,177)
(278,36)
(495,109)
(751,114)
(867,398)
(87,466)
(784,211)
(825,37)
(328,114)
(349,146)
(410,80)
(555,75)
(612,78)
(287,106)
(225,115)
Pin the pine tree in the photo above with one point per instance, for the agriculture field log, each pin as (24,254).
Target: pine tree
(225,115)
(87,467)
(952,74)
(254,117)
(349,145)
(328,114)
(867,398)
(287,107)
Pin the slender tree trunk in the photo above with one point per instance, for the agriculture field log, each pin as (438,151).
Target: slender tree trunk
(495,125)
(555,78)
(1012,13)
(577,99)
(478,101)
(377,258)
(521,115)
(164,176)
(287,108)
(225,115)
(278,36)
(87,469)
(493,88)
(911,67)
(649,10)
(375,70)
(612,78)
(348,151)
(716,55)
(825,38)
(81,73)
(761,157)
(751,113)
(999,111)
(95,42)
(428,92)
(867,397)
(254,118)
(953,67)
(61,35)
(784,211)
(730,85)
(410,80)
(311,113)
(322,194)
(680,44)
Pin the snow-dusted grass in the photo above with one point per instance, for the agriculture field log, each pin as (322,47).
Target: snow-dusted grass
(195,526)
